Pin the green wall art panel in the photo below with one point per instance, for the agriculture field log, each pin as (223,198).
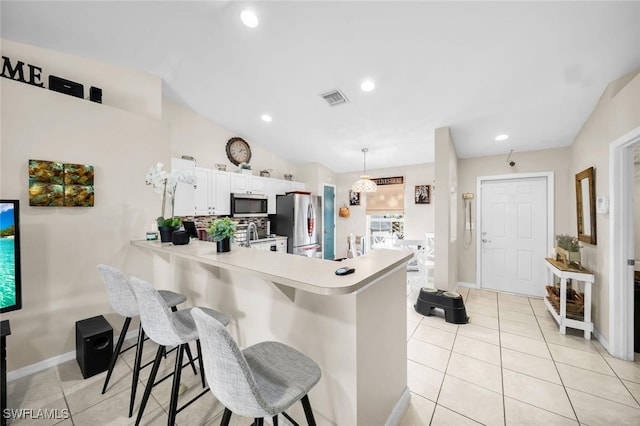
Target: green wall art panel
(55,184)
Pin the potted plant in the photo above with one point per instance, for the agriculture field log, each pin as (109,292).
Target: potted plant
(245,168)
(166,183)
(223,231)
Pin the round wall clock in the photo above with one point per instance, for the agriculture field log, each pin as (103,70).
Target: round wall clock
(238,151)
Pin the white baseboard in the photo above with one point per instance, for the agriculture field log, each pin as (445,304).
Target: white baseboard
(399,409)
(53,361)
(468,285)
(601,339)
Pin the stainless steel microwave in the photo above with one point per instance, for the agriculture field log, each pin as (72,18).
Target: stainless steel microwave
(248,205)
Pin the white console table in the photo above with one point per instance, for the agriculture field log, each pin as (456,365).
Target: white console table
(564,272)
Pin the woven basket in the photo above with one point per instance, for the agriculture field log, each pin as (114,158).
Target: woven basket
(575,301)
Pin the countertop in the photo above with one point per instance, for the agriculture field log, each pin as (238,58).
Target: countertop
(299,272)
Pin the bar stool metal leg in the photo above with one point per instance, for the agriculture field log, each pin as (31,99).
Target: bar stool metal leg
(189,355)
(200,363)
(311,421)
(116,352)
(136,369)
(191,360)
(226,417)
(150,382)
(173,404)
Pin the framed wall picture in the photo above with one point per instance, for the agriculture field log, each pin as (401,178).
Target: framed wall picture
(423,194)
(55,184)
(354,198)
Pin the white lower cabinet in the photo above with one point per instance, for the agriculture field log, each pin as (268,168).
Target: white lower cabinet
(212,192)
(276,244)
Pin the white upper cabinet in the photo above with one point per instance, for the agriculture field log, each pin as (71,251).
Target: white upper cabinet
(185,192)
(222,199)
(210,195)
(202,199)
(212,192)
(275,187)
(247,184)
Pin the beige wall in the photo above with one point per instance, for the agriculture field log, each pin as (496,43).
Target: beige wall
(419,218)
(445,198)
(315,175)
(469,169)
(617,113)
(194,135)
(122,88)
(121,138)
(61,246)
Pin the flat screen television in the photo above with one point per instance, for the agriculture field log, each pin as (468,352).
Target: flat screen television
(10,278)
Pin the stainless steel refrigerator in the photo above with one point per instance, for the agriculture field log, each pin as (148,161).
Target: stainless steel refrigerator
(299,218)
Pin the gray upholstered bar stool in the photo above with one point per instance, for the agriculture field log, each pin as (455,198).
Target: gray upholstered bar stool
(260,381)
(168,328)
(124,302)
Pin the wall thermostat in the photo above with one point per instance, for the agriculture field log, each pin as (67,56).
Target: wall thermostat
(602,204)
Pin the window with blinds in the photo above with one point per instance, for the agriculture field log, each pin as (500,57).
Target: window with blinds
(388,199)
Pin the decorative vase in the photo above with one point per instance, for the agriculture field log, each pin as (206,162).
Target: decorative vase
(567,256)
(179,238)
(166,233)
(223,245)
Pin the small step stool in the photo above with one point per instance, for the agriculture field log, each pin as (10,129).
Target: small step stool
(450,302)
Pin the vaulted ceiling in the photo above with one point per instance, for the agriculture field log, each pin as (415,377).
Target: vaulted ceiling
(532,70)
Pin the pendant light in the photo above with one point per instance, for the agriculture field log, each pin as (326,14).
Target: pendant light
(364,184)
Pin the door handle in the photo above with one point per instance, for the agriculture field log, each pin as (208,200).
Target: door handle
(484,240)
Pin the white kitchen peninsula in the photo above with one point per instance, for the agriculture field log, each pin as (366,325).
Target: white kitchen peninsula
(353,326)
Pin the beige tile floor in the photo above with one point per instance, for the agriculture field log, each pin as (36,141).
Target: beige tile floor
(508,366)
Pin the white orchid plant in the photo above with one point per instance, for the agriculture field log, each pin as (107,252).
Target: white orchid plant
(165,183)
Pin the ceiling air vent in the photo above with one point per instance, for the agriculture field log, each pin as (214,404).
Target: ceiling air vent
(334,97)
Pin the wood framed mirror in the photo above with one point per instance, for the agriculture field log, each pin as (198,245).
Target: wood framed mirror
(586,205)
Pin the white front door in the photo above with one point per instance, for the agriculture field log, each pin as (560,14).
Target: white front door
(513,235)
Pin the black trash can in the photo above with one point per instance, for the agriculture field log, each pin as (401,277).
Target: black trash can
(94,345)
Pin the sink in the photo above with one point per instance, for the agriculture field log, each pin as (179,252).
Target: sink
(263,240)
(268,239)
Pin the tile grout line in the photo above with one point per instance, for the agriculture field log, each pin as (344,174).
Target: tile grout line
(504,402)
(443,378)
(621,380)
(66,402)
(589,370)
(555,366)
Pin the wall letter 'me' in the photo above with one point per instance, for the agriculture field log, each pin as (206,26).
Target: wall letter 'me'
(17,72)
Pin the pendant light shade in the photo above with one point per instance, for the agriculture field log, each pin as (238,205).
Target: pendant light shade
(364,184)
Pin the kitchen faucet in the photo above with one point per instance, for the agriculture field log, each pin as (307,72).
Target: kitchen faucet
(252,233)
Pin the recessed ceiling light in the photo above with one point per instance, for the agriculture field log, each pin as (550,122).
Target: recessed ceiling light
(267,118)
(249,18)
(502,137)
(367,85)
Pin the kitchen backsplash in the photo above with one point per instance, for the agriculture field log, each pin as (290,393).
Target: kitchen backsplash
(202,222)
